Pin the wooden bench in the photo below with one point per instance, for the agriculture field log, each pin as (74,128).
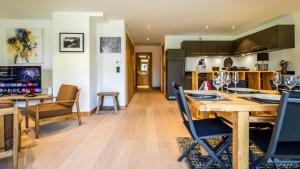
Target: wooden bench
(114,96)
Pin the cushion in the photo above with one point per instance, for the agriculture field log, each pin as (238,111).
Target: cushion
(49,110)
(67,92)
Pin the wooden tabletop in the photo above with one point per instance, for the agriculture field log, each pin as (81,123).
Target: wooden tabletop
(238,110)
(235,103)
(23,98)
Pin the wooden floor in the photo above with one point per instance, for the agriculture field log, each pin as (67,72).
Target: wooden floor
(141,137)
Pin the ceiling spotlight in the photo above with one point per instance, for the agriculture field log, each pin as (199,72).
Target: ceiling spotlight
(233,27)
(148,26)
(206,27)
(147,39)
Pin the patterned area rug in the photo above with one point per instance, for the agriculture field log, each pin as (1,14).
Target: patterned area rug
(196,160)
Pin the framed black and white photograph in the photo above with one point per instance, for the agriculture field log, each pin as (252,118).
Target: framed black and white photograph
(71,42)
(110,44)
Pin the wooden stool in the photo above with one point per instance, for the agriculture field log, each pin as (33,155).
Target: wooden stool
(101,96)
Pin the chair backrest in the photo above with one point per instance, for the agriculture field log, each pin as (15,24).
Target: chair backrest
(67,92)
(183,107)
(241,84)
(287,124)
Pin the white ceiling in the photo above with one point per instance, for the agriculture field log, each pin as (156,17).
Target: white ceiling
(166,17)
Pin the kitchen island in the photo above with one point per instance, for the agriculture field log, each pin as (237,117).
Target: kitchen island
(258,80)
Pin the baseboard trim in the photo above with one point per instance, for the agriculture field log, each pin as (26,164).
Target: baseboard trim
(105,108)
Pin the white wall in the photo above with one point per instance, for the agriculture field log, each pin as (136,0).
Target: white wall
(46,26)
(108,79)
(72,68)
(156,62)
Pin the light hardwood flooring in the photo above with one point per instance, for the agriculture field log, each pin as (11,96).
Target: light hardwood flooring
(141,137)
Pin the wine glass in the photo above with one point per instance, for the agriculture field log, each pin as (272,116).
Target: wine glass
(217,82)
(235,79)
(227,81)
(290,81)
(277,79)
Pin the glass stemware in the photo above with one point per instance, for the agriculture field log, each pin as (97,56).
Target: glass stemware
(290,81)
(227,81)
(277,79)
(217,82)
(235,79)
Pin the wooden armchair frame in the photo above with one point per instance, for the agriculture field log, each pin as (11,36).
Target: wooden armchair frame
(14,152)
(37,120)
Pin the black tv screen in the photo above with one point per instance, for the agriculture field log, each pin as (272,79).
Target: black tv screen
(20,79)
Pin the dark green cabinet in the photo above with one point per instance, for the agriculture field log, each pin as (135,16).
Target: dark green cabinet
(208,48)
(274,38)
(280,37)
(192,48)
(224,48)
(175,69)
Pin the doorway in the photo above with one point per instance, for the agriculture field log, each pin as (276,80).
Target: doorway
(144,70)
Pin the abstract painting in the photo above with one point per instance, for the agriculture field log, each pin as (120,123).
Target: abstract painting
(110,44)
(71,42)
(24,46)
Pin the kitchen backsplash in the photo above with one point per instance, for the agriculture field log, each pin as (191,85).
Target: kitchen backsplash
(248,61)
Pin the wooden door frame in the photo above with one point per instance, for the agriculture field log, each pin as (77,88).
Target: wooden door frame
(149,66)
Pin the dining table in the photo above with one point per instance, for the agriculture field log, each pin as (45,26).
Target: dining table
(237,108)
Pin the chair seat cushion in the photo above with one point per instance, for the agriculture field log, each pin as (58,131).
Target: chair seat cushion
(209,128)
(49,110)
(261,138)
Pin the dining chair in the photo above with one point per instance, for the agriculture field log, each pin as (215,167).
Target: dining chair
(202,130)
(282,143)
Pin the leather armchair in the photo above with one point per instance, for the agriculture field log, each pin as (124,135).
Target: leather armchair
(68,95)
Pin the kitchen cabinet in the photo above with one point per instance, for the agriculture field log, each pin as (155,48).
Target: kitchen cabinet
(258,41)
(175,70)
(192,48)
(280,37)
(208,48)
(224,48)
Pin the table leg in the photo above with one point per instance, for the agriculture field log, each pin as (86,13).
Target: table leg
(98,106)
(240,140)
(26,115)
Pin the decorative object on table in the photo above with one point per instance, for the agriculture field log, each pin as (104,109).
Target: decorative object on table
(262,61)
(23,46)
(71,42)
(110,44)
(290,81)
(283,64)
(201,65)
(235,78)
(228,62)
(277,79)
(227,81)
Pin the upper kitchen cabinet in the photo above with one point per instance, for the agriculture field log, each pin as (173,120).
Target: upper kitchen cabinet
(258,41)
(208,48)
(224,48)
(280,37)
(192,48)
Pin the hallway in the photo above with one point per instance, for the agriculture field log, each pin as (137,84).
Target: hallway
(142,137)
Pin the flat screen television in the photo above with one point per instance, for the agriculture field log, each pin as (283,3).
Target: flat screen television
(20,79)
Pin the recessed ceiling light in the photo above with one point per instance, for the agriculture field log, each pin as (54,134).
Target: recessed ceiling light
(205,56)
(148,26)
(233,27)
(148,39)
(206,27)
(220,56)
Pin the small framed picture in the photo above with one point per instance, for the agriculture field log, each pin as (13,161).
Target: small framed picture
(71,42)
